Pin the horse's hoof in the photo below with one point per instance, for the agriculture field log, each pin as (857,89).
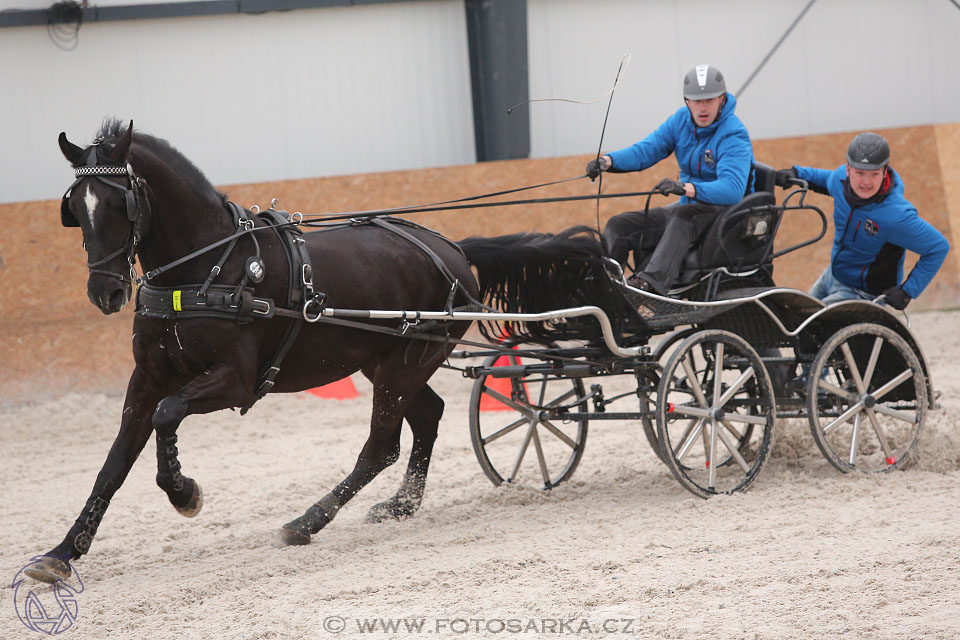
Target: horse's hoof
(193,507)
(49,570)
(292,537)
(391,510)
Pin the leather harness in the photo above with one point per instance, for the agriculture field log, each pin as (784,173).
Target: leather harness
(239,302)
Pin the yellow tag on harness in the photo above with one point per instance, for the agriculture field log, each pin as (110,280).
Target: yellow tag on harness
(176,300)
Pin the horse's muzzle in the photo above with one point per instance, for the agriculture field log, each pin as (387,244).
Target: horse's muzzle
(108,294)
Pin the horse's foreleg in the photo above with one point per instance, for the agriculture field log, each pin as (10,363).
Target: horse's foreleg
(184,493)
(423,414)
(135,429)
(381,450)
(216,388)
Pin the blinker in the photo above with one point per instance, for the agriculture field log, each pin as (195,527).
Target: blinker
(67,218)
(132,208)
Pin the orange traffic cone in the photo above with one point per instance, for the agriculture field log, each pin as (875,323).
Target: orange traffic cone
(501,385)
(339,390)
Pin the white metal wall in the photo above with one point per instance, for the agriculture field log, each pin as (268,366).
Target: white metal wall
(387,86)
(849,65)
(246,98)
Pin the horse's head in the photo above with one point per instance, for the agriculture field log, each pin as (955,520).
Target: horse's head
(109,204)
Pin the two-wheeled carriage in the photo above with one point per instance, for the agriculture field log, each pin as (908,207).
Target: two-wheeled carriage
(715,364)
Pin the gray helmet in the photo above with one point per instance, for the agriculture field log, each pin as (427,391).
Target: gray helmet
(703,82)
(868,151)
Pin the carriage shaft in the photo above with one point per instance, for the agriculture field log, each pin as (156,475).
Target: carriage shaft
(574,312)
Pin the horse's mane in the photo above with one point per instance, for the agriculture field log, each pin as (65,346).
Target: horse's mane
(113,128)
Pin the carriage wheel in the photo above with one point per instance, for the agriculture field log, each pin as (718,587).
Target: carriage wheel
(512,438)
(660,355)
(866,399)
(649,426)
(715,413)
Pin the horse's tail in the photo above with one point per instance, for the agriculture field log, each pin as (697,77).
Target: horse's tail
(538,272)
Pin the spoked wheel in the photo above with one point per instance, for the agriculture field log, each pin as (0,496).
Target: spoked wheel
(715,413)
(514,438)
(648,424)
(866,399)
(649,386)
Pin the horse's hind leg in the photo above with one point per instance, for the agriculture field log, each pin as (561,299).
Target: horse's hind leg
(381,450)
(135,429)
(395,386)
(423,413)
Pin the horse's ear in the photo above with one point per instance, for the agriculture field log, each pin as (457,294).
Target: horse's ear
(121,150)
(70,151)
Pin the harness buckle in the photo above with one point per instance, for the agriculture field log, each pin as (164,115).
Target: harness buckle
(246,225)
(306,275)
(267,383)
(258,304)
(134,276)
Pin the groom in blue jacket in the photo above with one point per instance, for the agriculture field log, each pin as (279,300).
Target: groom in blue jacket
(714,152)
(874,225)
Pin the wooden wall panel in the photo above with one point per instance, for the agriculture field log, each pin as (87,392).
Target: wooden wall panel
(52,340)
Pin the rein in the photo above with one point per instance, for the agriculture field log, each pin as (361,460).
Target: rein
(316,219)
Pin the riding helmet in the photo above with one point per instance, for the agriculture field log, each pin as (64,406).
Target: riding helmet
(868,151)
(703,82)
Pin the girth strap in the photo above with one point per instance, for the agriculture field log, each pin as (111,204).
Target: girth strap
(301,271)
(299,294)
(269,373)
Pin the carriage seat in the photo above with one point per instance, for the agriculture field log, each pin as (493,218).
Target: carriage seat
(741,238)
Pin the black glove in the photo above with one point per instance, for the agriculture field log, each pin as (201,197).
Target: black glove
(668,186)
(896,298)
(594,167)
(783,177)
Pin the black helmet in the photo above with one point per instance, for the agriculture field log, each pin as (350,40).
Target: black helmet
(868,151)
(703,82)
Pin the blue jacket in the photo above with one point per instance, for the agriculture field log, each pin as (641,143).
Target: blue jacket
(869,241)
(715,159)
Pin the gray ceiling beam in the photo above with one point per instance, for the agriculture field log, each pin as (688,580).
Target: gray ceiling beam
(32,17)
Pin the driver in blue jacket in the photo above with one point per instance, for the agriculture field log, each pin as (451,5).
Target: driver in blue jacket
(874,226)
(714,152)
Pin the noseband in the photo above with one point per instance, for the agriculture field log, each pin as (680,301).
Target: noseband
(138,209)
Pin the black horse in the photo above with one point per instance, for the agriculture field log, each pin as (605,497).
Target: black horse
(137,197)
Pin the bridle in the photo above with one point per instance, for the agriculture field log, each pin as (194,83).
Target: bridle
(138,209)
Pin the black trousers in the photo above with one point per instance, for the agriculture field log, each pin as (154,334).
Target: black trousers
(659,239)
